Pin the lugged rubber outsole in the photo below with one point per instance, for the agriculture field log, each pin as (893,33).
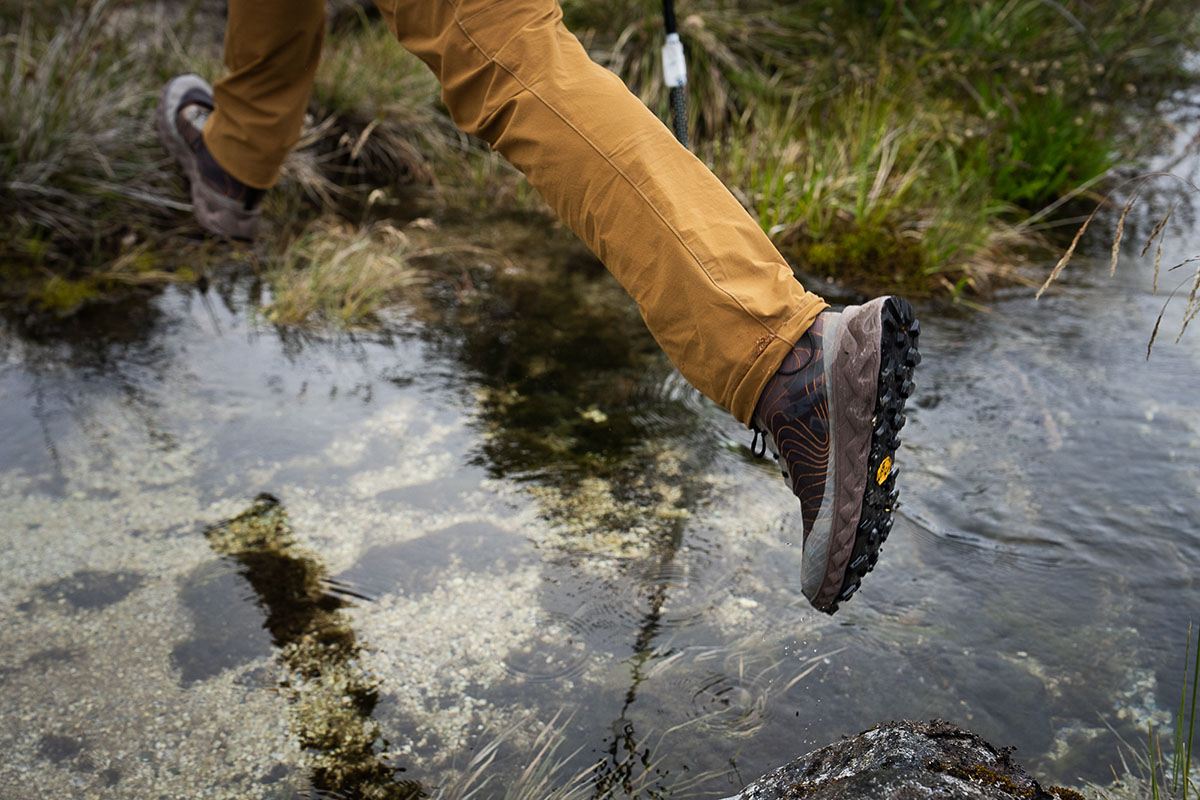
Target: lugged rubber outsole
(898,357)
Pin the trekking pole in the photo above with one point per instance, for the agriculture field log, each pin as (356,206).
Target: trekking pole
(675,73)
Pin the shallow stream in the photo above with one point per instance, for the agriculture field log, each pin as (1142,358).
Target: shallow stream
(508,518)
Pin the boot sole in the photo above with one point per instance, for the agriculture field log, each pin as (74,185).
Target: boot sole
(898,357)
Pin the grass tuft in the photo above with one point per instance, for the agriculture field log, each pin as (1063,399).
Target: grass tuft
(377,107)
(337,275)
(75,163)
(891,146)
(550,774)
(896,145)
(1159,775)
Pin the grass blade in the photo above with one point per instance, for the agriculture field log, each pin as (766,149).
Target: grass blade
(1153,771)
(1154,333)
(1162,223)
(1177,764)
(1189,310)
(1187,761)
(1116,245)
(1157,262)
(1066,257)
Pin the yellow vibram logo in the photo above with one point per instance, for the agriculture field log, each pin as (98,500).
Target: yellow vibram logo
(885,469)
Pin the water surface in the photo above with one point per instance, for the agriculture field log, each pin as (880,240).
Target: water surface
(507,512)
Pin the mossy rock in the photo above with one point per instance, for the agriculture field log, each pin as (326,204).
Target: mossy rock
(904,761)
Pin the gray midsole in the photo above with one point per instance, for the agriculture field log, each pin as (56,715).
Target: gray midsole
(855,382)
(816,546)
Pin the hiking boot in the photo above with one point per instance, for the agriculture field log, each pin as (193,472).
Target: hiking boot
(222,204)
(831,416)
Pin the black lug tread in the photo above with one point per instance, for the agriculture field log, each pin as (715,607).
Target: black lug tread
(898,358)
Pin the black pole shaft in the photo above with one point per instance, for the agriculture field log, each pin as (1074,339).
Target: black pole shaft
(679,113)
(678,93)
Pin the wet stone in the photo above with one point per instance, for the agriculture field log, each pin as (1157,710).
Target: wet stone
(92,589)
(904,761)
(58,749)
(277,773)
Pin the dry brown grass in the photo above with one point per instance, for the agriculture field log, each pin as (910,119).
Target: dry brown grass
(1189,282)
(340,275)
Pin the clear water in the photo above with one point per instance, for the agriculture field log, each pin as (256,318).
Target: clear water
(523,516)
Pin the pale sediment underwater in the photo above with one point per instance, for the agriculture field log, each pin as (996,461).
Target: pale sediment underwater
(504,530)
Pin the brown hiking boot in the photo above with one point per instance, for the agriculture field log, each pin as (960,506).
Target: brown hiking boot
(831,416)
(222,204)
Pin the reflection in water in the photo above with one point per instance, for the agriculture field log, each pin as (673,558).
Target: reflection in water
(556,652)
(628,758)
(574,396)
(116,349)
(332,695)
(1029,594)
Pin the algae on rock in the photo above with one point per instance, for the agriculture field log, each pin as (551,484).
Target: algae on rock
(331,694)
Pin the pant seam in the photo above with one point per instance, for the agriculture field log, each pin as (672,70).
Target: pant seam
(630,183)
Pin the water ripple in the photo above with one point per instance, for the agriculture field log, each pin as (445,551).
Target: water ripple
(556,651)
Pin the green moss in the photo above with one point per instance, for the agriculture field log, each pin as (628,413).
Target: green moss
(63,295)
(1063,793)
(977,773)
(147,261)
(867,258)
(332,696)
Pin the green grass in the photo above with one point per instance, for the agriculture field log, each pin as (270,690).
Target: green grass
(74,160)
(873,193)
(86,193)
(902,144)
(1180,782)
(14,12)
(887,145)
(1158,774)
(90,203)
(1035,147)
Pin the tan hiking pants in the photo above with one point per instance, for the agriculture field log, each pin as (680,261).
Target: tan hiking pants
(713,290)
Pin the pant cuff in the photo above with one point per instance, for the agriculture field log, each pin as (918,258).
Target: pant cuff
(764,367)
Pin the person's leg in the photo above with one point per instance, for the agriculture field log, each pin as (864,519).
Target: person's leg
(231,140)
(271,50)
(826,389)
(713,290)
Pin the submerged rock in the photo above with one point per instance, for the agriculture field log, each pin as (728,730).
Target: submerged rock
(904,761)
